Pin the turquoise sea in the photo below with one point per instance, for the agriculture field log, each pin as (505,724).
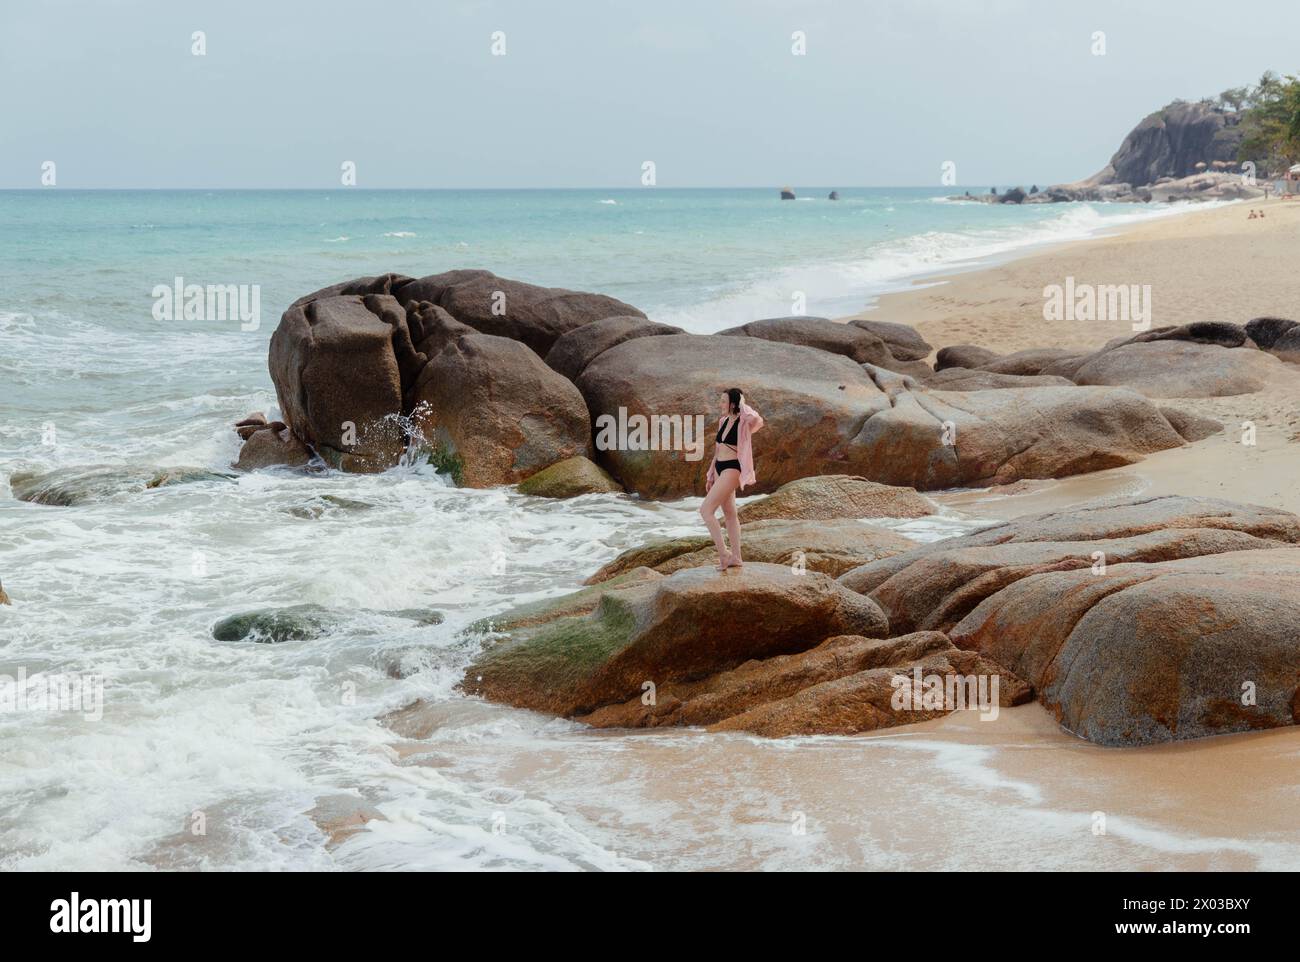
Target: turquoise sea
(127,585)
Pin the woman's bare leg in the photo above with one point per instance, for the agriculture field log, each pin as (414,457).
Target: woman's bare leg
(723,490)
(733,528)
(709,512)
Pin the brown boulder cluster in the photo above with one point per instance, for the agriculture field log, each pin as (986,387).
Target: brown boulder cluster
(1133,621)
(1205,359)
(495,381)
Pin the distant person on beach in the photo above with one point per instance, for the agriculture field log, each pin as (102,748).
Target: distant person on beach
(731,470)
(1252,215)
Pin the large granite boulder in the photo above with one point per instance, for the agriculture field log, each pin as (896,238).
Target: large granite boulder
(968,356)
(810,398)
(536,316)
(573,351)
(368,367)
(570,478)
(1135,620)
(272,447)
(827,415)
(337,377)
(490,409)
(1171,142)
(1265,331)
(1154,652)
(1166,367)
(903,341)
(666,631)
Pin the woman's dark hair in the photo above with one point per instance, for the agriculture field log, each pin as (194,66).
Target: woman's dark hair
(733,397)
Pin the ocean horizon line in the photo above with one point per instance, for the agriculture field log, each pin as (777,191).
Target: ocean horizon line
(376,190)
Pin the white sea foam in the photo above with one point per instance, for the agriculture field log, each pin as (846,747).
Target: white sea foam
(837,287)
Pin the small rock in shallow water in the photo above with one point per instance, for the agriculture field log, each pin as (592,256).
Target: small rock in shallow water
(273,625)
(570,478)
(65,487)
(317,507)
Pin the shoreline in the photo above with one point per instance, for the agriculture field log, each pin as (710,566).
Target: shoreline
(1213,265)
(1182,257)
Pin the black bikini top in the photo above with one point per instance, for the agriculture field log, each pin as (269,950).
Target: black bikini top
(731,434)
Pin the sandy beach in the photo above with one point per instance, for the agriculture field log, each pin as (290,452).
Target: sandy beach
(1211,265)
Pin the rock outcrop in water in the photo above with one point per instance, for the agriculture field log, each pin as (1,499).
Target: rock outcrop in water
(370,370)
(64,487)
(366,367)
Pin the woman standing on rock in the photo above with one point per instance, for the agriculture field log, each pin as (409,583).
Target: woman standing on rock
(731,470)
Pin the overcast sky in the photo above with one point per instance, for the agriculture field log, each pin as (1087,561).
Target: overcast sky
(709,90)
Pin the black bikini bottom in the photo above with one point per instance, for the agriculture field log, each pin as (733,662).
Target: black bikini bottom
(727,466)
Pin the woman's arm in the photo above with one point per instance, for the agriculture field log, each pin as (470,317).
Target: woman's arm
(752,417)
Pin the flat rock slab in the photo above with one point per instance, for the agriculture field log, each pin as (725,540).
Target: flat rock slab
(831,547)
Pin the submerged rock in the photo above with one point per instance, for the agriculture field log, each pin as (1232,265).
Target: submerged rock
(65,487)
(274,625)
(317,507)
(270,448)
(570,478)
